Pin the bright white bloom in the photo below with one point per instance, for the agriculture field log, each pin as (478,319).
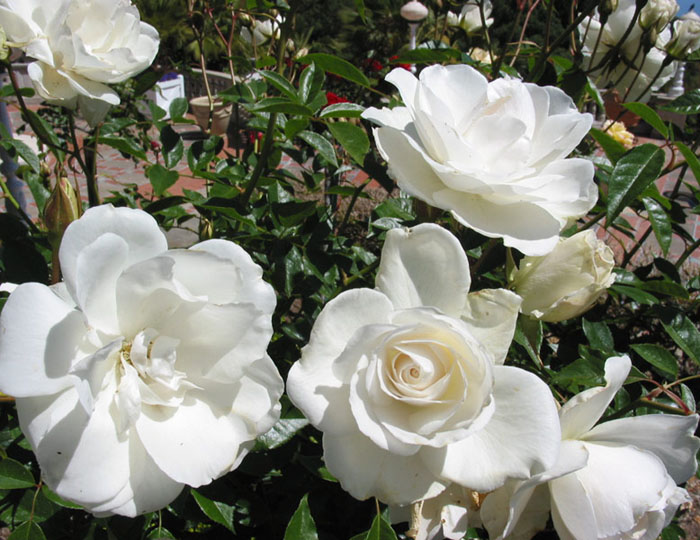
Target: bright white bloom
(262,30)
(450,514)
(632,70)
(686,36)
(469,17)
(80,47)
(491,153)
(143,371)
(566,282)
(614,481)
(408,385)
(657,14)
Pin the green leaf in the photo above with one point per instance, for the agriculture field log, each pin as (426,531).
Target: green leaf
(27,531)
(27,154)
(279,82)
(301,526)
(688,103)
(281,105)
(360,5)
(44,131)
(686,335)
(428,56)
(381,530)
(612,148)
(528,334)
(352,138)
(337,66)
(665,286)
(51,496)
(342,110)
(649,115)
(178,108)
(659,357)
(282,432)
(216,511)
(322,145)
(635,294)
(125,145)
(631,176)
(690,158)
(310,83)
(161,178)
(294,126)
(598,335)
(14,475)
(660,222)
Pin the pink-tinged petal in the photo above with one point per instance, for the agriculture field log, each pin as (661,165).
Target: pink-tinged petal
(522,438)
(40,338)
(138,229)
(411,260)
(669,437)
(365,470)
(491,315)
(193,444)
(581,412)
(315,379)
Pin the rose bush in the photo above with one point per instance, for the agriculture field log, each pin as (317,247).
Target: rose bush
(410,377)
(615,480)
(80,47)
(143,371)
(491,153)
(635,71)
(566,282)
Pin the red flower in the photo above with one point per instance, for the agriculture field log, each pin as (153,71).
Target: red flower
(155,146)
(332,98)
(372,64)
(407,67)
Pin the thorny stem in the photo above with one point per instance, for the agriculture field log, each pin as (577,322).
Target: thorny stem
(548,28)
(91,168)
(485,29)
(643,402)
(595,219)
(353,200)
(351,279)
(631,253)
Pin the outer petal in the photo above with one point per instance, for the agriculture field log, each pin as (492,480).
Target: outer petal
(72,448)
(522,438)
(137,228)
(365,470)
(313,380)
(491,315)
(521,508)
(192,443)
(581,412)
(411,260)
(669,437)
(627,489)
(40,338)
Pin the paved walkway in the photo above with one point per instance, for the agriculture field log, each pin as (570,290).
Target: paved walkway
(116,173)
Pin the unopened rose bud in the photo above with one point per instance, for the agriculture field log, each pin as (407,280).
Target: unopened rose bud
(566,282)
(657,14)
(206,229)
(4,49)
(606,7)
(62,208)
(686,36)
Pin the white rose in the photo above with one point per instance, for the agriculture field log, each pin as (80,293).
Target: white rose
(632,70)
(686,36)
(657,14)
(469,17)
(143,371)
(616,480)
(566,282)
(261,31)
(80,47)
(491,153)
(408,385)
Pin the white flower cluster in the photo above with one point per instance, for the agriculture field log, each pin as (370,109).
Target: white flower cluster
(80,46)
